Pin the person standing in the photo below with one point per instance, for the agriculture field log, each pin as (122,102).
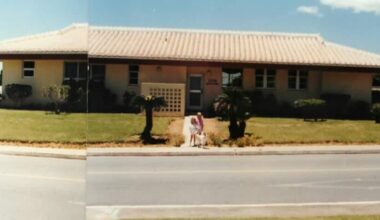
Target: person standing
(200,121)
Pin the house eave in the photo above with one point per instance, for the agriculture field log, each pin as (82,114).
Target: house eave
(45,56)
(236,64)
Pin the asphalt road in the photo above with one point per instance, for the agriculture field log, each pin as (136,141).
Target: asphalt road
(232,181)
(41,188)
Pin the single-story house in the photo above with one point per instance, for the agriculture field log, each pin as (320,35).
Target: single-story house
(189,67)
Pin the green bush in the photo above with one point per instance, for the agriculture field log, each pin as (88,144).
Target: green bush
(18,92)
(77,99)
(358,110)
(311,108)
(127,99)
(336,104)
(263,104)
(375,110)
(100,98)
(58,94)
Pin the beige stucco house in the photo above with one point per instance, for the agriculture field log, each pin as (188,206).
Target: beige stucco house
(189,67)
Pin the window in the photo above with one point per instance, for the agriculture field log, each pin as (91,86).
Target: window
(376,81)
(265,78)
(134,74)
(98,72)
(75,71)
(232,77)
(28,69)
(297,79)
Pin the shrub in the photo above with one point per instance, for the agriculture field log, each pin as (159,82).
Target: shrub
(310,108)
(77,99)
(127,100)
(249,141)
(336,104)
(58,94)
(215,140)
(100,98)
(263,104)
(358,110)
(18,92)
(375,110)
(176,140)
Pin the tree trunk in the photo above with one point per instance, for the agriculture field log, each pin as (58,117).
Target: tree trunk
(233,127)
(241,129)
(146,135)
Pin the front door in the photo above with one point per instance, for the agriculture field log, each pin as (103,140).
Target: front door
(195,90)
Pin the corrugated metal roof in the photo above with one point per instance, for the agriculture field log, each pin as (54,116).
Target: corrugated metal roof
(193,45)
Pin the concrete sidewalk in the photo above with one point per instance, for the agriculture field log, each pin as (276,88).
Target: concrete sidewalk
(43,152)
(188,151)
(233,151)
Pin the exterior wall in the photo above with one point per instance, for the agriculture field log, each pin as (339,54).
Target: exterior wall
(212,83)
(281,91)
(47,72)
(358,85)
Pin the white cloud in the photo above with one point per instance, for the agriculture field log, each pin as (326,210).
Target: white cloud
(311,10)
(369,6)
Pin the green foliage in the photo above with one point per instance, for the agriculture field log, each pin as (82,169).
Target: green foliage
(237,105)
(375,110)
(336,104)
(310,108)
(100,98)
(58,94)
(18,92)
(77,100)
(358,110)
(128,97)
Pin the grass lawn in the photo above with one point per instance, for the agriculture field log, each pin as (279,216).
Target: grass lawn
(303,218)
(287,130)
(122,127)
(39,126)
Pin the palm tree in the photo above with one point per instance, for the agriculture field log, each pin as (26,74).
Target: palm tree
(148,103)
(237,105)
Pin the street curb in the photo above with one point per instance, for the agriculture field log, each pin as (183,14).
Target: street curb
(44,155)
(228,153)
(232,211)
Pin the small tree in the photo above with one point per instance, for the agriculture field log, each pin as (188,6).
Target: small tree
(148,103)
(234,101)
(58,94)
(18,92)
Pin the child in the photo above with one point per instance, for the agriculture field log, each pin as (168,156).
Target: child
(200,120)
(194,130)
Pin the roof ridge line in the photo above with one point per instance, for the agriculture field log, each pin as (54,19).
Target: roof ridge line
(205,31)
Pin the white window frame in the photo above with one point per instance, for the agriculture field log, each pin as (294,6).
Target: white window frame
(298,80)
(265,79)
(133,71)
(28,69)
(77,78)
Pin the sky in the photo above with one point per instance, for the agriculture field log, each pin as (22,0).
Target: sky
(354,23)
